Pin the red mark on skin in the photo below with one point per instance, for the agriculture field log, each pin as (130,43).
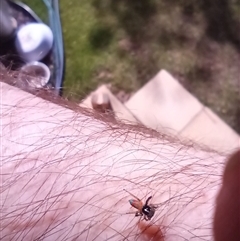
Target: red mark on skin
(150,232)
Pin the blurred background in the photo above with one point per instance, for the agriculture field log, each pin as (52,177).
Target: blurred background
(126,42)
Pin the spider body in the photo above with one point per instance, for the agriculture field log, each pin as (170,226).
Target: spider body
(136,204)
(148,210)
(145,210)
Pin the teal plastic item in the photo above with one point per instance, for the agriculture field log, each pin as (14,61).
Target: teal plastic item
(58,46)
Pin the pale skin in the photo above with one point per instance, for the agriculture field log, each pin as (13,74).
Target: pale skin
(63,175)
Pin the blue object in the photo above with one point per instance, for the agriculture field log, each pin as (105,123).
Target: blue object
(58,47)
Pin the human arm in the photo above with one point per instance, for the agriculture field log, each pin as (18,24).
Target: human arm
(63,174)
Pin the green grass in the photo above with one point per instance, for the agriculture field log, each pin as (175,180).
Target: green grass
(84,46)
(126,42)
(121,38)
(38,7)
(91,49)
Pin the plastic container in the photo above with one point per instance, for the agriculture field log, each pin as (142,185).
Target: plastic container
(34,41)
(36,74)
(8,24)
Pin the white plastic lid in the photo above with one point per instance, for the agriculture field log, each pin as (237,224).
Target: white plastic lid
(34,41)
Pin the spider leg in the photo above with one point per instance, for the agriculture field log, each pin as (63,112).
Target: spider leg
(146,203)
(137,214)
(146,218)
(132,195)
(131,213)
(154,206)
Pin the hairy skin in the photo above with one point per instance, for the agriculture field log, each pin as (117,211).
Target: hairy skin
(63,175)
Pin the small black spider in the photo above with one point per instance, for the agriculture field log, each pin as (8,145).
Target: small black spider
(146,210)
